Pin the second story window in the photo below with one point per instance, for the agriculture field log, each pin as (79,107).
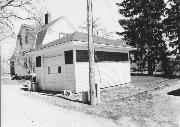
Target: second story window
(20,39)
(49,70)
(26,39)
(59,69)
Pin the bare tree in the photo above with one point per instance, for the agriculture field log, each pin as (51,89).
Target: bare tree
(95,25)
(98,30)
(17,10)
(25,61)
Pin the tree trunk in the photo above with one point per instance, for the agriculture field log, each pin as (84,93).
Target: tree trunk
(165,67)
(94,89)
(150,67)
(178,24)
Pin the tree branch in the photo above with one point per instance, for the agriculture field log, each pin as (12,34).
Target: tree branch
(6,4)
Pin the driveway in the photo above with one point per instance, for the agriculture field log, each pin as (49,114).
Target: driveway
(21,111)
(150,109)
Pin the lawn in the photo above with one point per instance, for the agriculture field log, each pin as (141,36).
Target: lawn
(140,103)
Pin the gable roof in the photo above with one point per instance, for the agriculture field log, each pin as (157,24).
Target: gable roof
(41,34)
(76,36)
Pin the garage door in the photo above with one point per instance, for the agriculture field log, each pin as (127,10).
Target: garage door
(54,73)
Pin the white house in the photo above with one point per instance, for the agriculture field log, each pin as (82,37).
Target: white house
(25,41)
(63,63)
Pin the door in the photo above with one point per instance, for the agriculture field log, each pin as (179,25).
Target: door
(54,73)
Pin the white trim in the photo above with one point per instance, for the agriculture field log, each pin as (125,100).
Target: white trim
(53,56)
(43,72)
(74,62)
(84,44)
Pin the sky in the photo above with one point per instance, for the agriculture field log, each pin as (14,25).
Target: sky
(75,11)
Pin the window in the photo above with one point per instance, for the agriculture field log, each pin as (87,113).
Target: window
(59,69)
(20,42)
(82,56)
(38,61)
(12,63)
(110,56)
(20,39)
(68,57)
(49,70)
(25,63)
(26,39)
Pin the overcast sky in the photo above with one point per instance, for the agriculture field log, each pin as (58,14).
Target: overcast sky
(75,10)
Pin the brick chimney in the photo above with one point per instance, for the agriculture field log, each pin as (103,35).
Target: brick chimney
(47,18)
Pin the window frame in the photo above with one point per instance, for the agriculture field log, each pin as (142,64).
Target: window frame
(102,56)
(26,39)
(20,39)
(49,70)
(68,54)
(59,70)
(38,61)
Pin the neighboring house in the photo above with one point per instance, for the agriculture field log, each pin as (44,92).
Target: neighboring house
(63,62)
(19,60)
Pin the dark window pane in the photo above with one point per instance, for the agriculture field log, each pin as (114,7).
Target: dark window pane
(82,56)
(26,39)
(38,61)
(68,57)
(20,39)
(20,42)
(59,69)
(49,70)
(25,63)
(110,56)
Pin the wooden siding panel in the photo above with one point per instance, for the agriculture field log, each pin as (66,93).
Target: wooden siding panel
(40,77)
(53,80)
(82,76)
(70,77)
(106,74)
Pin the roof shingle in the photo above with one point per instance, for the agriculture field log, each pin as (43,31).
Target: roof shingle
(76,36)
(83,37)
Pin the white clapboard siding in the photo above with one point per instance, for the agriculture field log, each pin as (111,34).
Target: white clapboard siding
(82,76)
(70,77)
(53,81)
(40,77)
(114,73)
(106,74)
